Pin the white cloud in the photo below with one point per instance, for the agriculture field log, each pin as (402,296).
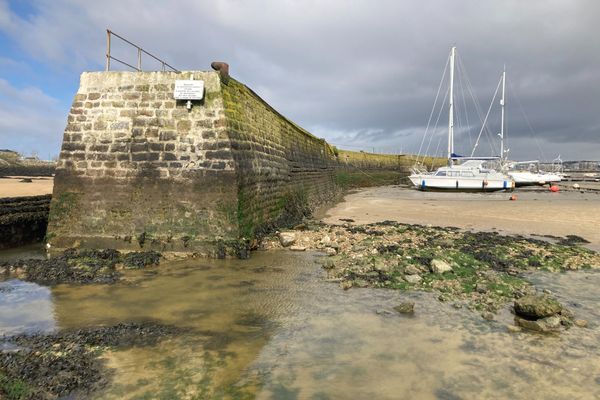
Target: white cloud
(352,66)
(30,120)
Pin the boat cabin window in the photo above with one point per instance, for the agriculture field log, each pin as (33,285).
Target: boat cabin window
(441,173)
(467,174)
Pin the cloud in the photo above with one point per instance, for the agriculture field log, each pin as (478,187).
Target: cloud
(357,71)
(30,120)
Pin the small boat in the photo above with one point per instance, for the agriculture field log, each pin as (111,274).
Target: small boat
(522,177)
(530,176)
(471,174)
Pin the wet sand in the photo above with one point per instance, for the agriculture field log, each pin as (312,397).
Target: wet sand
(13,187)
(535,212)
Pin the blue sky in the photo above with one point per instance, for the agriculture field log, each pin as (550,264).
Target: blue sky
(360,73)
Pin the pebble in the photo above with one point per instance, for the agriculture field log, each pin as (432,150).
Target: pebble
(439,266)
(346,285)
(330,251)
(407,307)
(487,316)
(297,248)
(413,279)
(582,323)
(287,238)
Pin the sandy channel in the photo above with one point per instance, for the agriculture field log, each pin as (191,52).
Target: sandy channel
(13,187)
(535,212)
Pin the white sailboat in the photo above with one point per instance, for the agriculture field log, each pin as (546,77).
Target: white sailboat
(471,175)
(530,176)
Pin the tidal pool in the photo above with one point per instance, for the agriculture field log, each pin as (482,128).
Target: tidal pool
(272,328)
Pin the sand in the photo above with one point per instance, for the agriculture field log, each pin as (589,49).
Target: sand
(12,187)
(535,212)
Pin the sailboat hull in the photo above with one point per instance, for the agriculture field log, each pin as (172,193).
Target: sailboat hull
(435,183)
(524,178)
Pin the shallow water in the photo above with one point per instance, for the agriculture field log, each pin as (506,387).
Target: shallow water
(273,328)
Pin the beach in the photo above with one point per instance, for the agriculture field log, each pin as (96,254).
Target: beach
(536,211)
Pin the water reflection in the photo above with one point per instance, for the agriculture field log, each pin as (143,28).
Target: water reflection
(25,308)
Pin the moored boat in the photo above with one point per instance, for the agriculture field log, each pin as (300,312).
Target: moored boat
(470,175)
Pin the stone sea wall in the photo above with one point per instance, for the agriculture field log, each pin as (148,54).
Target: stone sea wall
(137,169)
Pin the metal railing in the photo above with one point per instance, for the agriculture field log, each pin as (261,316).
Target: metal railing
(140,51)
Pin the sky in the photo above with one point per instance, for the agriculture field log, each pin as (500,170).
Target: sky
(362,74)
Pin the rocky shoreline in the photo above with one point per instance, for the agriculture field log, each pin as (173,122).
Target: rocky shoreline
(67,363)
(482,271)
(78,266)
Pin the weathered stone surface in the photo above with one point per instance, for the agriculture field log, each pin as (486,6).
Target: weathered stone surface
(414,279)
(297,248)
(549,324)
(537,306)
(407,307)
(412,270)
(330,251)
(439,266)
(136,162)
(287,238)
(582,323)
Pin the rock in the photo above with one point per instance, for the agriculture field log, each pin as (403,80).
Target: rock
(513,328)
(358,282)
(329,264)
(576,186)
(383,312)
(582,323)
(481,288)
(439,266)
(334,245)
(414,279)
(301,227)
(412,270)
(330,251)
(407,307)
(550,324)
(487,316)
(325,240)
(287,238)
(537,306)
(346,285)
(297,248)
(381,266)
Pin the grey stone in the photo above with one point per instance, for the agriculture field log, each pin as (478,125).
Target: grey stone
(438,266)
(537,306)
(407,307)
(297,248)
(414,279)
(287,238)
(412,270)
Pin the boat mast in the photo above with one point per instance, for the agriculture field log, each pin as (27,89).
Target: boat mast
(451,111)
(502,119)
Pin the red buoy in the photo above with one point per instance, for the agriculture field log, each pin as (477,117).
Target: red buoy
(554,188)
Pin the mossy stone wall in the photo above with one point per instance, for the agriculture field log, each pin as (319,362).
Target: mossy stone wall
(139,170)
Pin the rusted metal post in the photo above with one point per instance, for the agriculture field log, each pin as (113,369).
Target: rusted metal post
(108,50)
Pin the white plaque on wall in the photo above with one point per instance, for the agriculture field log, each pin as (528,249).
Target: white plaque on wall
(188,90)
